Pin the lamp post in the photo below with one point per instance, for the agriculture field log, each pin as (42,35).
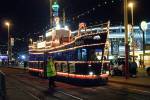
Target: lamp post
(9,48)
(126,39)
(51,14)
(131,5)
(144,28)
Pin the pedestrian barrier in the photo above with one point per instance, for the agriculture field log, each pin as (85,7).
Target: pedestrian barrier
(2,86)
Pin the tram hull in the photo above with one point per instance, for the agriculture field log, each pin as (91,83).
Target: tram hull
(76,80)
(83,82)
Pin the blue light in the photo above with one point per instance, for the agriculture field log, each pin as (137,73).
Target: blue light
(23,57)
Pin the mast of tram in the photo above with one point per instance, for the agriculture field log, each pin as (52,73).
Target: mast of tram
(54,14)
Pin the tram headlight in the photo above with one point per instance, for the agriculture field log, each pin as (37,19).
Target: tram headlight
(107,72)
(89,65)
(91,73)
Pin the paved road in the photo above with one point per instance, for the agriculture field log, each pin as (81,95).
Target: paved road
(22,86)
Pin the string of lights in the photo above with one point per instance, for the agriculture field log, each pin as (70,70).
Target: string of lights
(105,3)
(77,16)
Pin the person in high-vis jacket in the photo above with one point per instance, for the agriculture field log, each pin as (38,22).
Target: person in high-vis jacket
(51,72)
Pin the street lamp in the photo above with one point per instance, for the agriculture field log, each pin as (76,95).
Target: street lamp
(131,5)
(9,49)
(144,28)
(126,38)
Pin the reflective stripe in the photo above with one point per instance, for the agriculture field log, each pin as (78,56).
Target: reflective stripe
(50,69)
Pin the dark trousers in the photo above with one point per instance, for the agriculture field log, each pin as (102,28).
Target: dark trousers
(51,82)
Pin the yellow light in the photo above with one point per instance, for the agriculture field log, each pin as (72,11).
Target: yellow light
(7,23)
(130,5)
(30,40)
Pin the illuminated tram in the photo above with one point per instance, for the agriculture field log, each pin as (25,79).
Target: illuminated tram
(78,57)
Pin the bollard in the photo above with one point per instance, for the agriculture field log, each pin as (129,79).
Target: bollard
(2,86)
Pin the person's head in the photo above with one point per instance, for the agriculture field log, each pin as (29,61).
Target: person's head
(50,58)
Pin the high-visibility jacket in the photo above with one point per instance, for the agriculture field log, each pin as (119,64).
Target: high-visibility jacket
(51,71)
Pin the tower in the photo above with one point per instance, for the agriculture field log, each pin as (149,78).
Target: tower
(55,8)
(54,13)
(51,14)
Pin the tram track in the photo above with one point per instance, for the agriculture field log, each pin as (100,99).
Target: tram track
(44,94)
(56,90)
(84,91)
(14,73)
(20,88)
(71,92)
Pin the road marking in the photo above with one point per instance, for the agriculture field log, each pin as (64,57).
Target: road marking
(75,97)
(37,98)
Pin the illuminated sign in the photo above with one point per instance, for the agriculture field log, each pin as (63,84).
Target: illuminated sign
(114,47)
(41,44)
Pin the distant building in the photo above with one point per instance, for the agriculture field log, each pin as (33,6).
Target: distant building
(117,34)
(147,35)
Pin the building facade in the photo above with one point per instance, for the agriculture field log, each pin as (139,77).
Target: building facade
(117,40)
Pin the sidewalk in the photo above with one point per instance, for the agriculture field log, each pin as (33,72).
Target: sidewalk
(141,80)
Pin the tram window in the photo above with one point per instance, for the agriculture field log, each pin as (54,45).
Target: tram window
(42,64)
(96,68)
(92,55)
(35,65)
(65,67)
(80,68)
(79,54)
(30,64)
(39,64)
(84,54)
(72,68)
(58,67)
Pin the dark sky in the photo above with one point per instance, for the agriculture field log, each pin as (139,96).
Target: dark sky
(29,18)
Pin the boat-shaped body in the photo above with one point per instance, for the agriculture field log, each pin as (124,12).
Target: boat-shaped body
(79,56)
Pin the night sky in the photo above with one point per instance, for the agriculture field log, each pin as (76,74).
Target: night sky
(30,18)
